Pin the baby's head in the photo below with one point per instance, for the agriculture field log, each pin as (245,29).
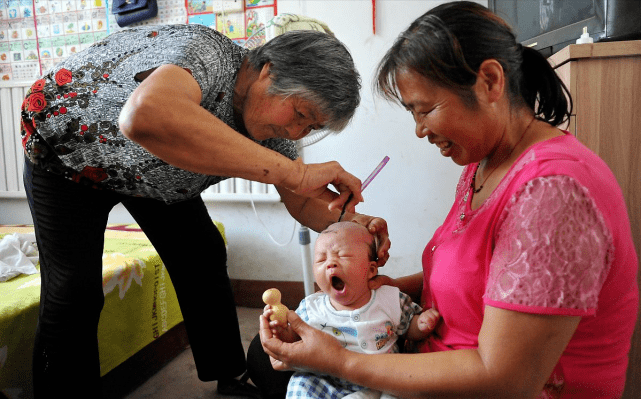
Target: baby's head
(344,262)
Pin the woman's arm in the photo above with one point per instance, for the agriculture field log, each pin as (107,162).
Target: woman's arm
(411,285)
(311,212)
(164,116)
(516,355)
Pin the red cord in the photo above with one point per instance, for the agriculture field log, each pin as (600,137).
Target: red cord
(374,16)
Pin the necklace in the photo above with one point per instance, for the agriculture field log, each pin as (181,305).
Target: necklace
(477,190)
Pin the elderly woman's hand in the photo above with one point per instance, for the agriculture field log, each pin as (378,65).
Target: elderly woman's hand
(378,227)
(312,180)
(315,350)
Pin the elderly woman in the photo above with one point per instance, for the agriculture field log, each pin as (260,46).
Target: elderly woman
(534,269)
(150,117)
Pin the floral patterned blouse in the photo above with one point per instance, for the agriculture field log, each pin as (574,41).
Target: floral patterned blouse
(70,115)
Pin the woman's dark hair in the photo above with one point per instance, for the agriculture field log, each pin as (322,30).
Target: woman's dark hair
(314,66)
(448,44)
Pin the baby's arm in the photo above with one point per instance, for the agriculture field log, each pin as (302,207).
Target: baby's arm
(284,332)
(422,325)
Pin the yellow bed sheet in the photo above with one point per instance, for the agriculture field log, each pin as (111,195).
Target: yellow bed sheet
(140,306)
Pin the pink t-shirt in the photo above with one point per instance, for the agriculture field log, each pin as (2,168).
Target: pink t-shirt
(553,238)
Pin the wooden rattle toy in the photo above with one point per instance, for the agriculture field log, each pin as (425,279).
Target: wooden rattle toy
(272,297)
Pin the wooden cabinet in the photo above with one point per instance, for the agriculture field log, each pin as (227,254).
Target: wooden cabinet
(604,80)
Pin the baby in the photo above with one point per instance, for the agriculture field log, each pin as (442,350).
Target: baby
(364,320)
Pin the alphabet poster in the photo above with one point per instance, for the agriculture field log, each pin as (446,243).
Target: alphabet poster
(237,19)
(37,34)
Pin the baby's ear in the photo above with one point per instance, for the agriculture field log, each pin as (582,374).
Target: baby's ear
(372,270)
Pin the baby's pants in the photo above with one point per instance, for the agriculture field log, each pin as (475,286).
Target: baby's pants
(369,394)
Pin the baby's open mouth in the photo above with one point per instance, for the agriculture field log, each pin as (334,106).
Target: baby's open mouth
(337,283)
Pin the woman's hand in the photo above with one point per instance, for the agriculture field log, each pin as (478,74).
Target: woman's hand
(283,332)
(316,350)
(312,180)
(378,227)
(411,285)
(380,280)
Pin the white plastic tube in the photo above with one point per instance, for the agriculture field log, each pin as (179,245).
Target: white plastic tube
(306,253)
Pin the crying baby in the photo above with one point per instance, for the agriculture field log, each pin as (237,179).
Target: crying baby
(362,319)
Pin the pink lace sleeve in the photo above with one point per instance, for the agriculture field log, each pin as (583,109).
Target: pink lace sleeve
(553,250)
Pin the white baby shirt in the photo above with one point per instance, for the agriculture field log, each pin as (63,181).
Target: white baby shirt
(372,329)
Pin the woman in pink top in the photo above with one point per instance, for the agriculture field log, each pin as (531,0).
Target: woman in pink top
(534,269)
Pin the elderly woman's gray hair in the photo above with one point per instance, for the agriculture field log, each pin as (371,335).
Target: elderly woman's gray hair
(314,66)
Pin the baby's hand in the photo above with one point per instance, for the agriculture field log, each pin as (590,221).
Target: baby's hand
(427,320)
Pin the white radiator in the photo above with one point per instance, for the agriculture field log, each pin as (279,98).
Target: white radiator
(11,157)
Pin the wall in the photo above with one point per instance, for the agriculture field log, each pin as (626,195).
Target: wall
(415,190)
(413,193)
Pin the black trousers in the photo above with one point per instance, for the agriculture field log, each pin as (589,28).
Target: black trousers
(70,221)
(271,383)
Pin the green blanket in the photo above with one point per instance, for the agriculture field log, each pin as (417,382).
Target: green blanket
(140,306)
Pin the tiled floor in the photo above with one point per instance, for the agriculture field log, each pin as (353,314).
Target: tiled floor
(178,380)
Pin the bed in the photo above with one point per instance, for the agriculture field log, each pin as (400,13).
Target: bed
(140,308)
